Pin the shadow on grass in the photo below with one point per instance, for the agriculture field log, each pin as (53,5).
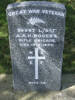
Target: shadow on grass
(69,47)
(5,62)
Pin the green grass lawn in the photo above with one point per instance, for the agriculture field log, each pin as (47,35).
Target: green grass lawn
(69,46)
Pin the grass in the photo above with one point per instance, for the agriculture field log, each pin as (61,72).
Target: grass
(69,45)
(5,62)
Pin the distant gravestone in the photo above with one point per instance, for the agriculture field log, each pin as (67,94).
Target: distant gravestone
(36,37)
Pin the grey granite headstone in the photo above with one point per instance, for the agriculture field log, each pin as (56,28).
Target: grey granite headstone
(36,37)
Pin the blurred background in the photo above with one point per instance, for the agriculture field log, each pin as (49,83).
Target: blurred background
(69,46)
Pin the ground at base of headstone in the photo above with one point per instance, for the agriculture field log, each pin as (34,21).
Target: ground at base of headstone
(67,92)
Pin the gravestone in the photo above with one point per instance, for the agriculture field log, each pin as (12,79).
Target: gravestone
(36,37)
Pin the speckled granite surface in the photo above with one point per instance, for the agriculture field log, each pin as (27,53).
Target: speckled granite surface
(36,37)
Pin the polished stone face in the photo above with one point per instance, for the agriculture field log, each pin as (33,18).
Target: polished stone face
(36,37)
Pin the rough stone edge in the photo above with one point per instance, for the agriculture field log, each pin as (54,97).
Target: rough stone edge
(36,3)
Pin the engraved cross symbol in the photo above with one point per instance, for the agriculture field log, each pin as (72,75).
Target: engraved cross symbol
(36,58)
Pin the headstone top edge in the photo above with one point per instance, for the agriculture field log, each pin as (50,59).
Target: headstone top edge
(35,3)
